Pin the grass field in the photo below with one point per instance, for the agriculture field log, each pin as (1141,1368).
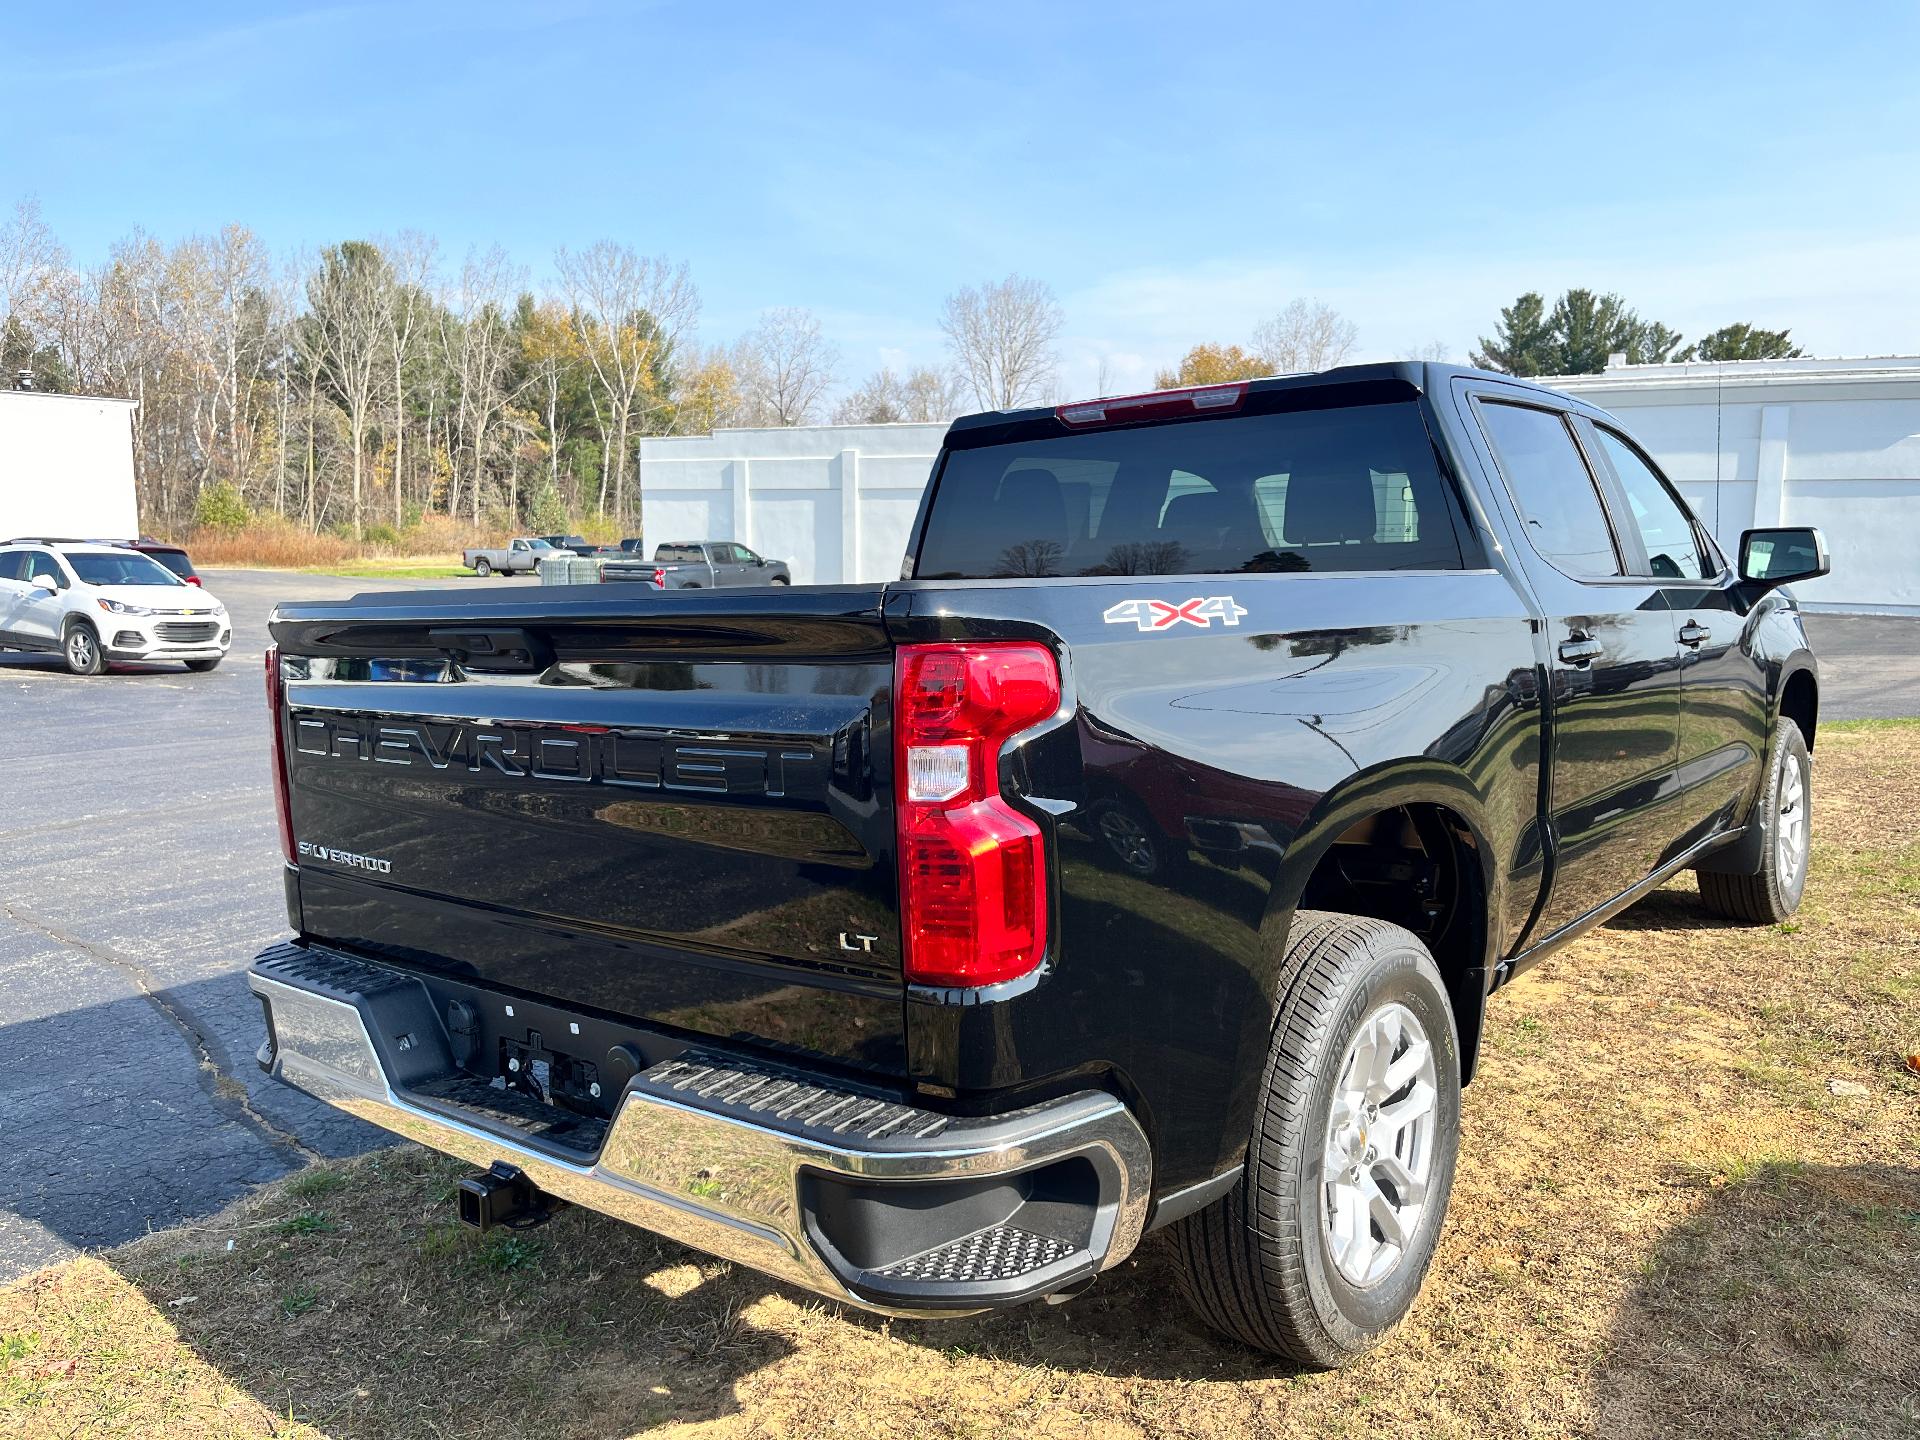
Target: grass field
(1689,1204)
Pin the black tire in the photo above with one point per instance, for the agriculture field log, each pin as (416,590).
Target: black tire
(483,567)
(779,580)
(201,667)
(80,647)
(1760,882)
(1258,1264)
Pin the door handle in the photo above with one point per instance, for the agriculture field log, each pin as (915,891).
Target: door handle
(1695,634)
(1581,649)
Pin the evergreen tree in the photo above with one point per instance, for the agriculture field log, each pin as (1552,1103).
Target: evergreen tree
(1653,344)
(1743,342)
(1575,337)
(547,512)
(1522,343)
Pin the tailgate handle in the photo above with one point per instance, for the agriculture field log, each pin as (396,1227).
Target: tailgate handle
(509,650)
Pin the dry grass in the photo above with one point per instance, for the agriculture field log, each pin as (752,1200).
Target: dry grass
(1666,1223)
(269,543)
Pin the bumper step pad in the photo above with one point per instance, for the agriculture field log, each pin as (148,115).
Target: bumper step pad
(770,1095)
(1005,1252)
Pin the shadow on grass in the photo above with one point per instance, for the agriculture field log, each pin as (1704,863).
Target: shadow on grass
(1788,1305)
(352,1302)
(1672,909)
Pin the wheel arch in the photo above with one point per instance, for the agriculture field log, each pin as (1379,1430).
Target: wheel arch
(1799,696)
(1423,818)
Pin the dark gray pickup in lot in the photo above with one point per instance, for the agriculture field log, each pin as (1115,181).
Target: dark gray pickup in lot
(699,565)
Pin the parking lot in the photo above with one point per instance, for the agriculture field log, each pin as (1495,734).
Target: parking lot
(139,875)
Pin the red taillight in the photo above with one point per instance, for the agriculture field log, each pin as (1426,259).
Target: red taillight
(1155,405)
(973,874)
(193,579)
(280,797)
(659,579)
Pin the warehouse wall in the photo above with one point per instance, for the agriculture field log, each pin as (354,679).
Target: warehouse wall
(1832,443)
(834,501)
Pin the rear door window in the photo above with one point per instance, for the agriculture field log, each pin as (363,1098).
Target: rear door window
(1673,544)
(1552,487)
(1346,489)
(13,564)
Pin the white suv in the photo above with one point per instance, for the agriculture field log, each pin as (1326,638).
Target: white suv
(96,602)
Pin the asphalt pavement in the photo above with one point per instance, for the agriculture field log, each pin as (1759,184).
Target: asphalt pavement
(139,874)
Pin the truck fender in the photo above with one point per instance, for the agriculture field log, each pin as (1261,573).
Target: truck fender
(1467,961)
(1746,854)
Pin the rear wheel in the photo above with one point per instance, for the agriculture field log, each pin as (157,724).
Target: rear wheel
(779,580)
(1319,1250)
(1767,888)
(483,567)
(82,649)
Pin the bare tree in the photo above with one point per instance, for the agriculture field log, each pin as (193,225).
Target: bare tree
(1002,336)
(784,366)
(1435,350)
(1304,336)
(348,298)
(930,393)
(478,344)
(412,257)
(30,260)
(633,311)
(880,399)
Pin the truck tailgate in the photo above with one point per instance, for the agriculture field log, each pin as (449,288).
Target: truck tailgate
(669,808)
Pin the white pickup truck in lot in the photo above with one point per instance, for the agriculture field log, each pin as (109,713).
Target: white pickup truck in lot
(519,556)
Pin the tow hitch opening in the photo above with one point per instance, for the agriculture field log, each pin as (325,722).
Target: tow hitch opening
(501,1195)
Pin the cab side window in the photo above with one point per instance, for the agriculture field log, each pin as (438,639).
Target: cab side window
(1552,487)
(13,564)
(1674,551)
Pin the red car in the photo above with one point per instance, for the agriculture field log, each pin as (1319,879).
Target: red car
(171,556)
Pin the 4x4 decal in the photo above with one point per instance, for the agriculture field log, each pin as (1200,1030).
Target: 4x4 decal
(1163,614)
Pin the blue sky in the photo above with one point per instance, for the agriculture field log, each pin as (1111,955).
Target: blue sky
(1176,173)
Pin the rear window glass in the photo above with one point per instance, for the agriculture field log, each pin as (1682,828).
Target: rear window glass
(1325,490)
(678,554)
(174,560)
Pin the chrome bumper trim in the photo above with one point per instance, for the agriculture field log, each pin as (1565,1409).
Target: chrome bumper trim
(714,1182)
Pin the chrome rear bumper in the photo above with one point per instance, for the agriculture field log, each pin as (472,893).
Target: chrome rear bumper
(774,1170)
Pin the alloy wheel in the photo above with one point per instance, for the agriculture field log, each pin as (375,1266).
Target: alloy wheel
(1790,822)
(1128,840)
(1378,1151)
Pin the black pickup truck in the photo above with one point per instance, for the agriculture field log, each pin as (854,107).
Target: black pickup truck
(1145,856)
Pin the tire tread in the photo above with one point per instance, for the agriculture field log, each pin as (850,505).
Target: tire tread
(1240,1264)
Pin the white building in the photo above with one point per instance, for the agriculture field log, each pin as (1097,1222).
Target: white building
(66,466)
(834,501)
(1750,443)
(1833,443)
